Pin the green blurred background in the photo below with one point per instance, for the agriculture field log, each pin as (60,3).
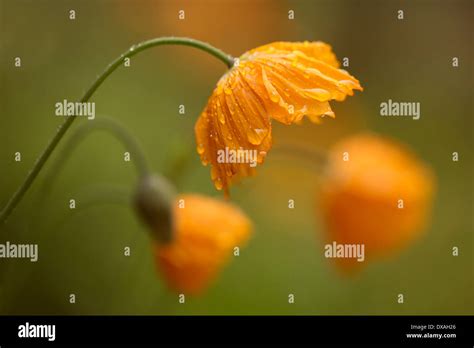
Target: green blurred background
(402,60)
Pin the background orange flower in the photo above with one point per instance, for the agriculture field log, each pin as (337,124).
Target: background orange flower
(375,192)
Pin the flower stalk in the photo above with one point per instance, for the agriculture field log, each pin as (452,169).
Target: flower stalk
(42,159)
(101,124)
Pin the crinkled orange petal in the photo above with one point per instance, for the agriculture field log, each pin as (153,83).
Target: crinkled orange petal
(318,49)
(283,81)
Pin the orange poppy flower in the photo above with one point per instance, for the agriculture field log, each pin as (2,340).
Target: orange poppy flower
(376,193)
(206,231)
(283,81)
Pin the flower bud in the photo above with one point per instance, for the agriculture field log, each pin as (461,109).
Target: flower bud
(154,199)
(207,231)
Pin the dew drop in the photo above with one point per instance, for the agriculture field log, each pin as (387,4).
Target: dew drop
(231,108)
(200,149)
(220,115)
(256,136)
(272,92)
(218,184)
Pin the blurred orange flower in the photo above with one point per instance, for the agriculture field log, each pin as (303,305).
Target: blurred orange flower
(206,231)
(283,81)
(376,193)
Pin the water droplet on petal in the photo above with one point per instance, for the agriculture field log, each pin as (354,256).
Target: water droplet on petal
(231,107)
(271,90)
(200,149)
(220,116)
(218,184)
(256,136)
(274,97)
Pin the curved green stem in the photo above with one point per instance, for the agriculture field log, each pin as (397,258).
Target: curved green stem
(18,195)
(106,124)
(102,123)
(103,194)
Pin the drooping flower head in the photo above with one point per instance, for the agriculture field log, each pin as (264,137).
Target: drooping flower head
(284,81)
(206,231)
(374,192)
